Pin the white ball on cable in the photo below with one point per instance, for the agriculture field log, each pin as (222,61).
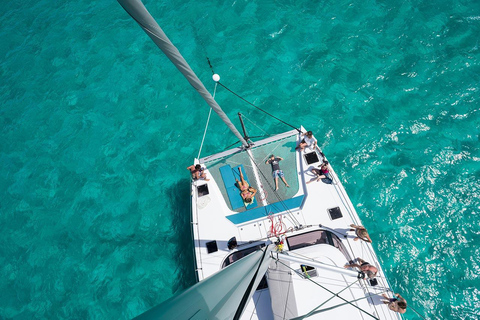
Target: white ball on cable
(216,77)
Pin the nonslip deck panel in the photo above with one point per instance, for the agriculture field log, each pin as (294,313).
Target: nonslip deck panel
(228,176)
(262,212)
(233,193)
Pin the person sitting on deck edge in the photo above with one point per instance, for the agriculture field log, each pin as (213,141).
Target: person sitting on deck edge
(308,141)
(197,172)
(398,304)
(361,233)
(248,192)
(276,170)
(322,174)
(369,270)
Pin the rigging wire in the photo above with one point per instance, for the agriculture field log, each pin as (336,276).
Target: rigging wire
(258,127)
(318,284)
(258,108)
(417,312)
(208,120)
(323,303)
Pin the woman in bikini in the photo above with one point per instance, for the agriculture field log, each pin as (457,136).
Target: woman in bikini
(322,174)
(248,192)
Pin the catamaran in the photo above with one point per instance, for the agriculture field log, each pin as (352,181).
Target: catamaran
(290,252)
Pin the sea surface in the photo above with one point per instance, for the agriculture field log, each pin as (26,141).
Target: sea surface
(97,129)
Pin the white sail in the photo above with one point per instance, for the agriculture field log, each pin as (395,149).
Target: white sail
(221,296)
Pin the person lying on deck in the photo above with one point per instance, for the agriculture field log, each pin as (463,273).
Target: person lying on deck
(197,172)
(322,174)
(308,141)
(248,192)
(276,170)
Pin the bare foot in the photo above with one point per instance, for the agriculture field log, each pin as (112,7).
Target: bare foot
(356,239)
(288,186)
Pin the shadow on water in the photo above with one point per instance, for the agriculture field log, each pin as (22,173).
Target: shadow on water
(179,195)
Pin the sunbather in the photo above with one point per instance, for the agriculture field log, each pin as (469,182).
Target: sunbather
(248,192)
(276,171)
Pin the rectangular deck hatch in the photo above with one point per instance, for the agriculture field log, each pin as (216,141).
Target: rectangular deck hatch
(212,246)
(311,157)
(202,190)
(335,213)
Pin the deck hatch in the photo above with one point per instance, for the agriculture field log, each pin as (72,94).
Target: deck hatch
(202,190)
(335,213)
(308,271)
(212,246)
(311,157)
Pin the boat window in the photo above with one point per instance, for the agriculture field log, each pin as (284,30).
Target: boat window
(307,239)
(237,255)
(317,237)
(337,243)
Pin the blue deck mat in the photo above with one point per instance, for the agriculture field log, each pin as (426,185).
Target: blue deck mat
(262,212)
(233,192)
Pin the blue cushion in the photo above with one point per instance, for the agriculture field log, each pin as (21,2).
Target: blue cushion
(253,204)
(228,176)
(233,192)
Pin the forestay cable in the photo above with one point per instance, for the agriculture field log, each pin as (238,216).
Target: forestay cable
(269,114)
(208,120)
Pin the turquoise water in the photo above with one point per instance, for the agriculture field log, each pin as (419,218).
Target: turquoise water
(97,128)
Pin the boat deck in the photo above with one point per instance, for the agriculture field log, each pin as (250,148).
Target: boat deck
(296,210)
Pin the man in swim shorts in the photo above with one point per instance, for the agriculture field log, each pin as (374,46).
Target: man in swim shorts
(276,171)
(369,270)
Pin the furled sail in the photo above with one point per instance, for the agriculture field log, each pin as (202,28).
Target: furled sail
(223,295)
(139,13)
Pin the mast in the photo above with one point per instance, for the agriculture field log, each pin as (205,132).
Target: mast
(245,136)
(140,14)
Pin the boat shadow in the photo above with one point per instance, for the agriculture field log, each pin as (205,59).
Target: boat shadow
(183,243)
